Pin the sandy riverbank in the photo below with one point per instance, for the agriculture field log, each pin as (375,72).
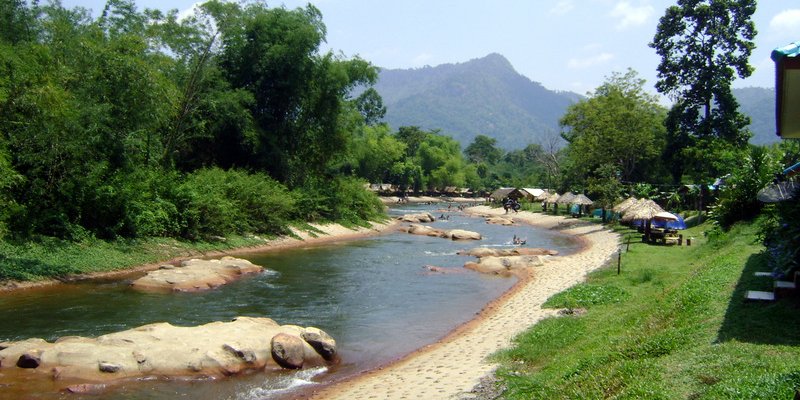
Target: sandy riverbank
(452,367)
(322,234)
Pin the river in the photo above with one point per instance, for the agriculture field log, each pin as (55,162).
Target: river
(373,295)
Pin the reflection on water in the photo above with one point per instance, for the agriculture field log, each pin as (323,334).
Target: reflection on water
(374,296)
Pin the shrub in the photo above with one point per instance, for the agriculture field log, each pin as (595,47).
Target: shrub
(219,202)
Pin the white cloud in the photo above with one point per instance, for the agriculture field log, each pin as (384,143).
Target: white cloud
(630,16)
(582,63)
(787,20)
(562,7)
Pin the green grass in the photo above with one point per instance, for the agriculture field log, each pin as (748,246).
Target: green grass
(673,324)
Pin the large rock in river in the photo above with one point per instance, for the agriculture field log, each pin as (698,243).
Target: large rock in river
(517,251)
(213,350)
(455,234)
(504,265)
(417,218)
(196,275)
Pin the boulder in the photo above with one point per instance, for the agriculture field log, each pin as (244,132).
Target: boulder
(196,275)
(460,234)
(287,351)
(216,349)
(495,220)
(455,234)
(417,218)
(503,265)
(517,251)
(322,343)
(416,229)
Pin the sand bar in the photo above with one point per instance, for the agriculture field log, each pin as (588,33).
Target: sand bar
(452,367)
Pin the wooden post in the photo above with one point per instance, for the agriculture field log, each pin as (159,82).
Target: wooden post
(619,261)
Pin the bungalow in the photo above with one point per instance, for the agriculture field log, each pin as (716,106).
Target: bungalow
(512,193)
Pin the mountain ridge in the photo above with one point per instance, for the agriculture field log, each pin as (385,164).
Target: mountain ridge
(487,96)
(482,96)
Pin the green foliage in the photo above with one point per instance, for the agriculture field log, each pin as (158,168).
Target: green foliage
(614,136)
(738,197)
(219,202)
(338,199)
(702,44)
(686,333)
(586,295)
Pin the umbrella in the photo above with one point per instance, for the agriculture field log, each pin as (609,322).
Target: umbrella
(553,198)
(566,198)
(666,216)
(643,209)
(582,200)
(625,204)
(543,196)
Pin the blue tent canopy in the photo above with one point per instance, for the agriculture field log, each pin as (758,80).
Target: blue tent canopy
(679,224)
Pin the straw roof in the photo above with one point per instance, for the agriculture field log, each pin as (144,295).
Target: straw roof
(566,198)
(625,204)
(552,198)
(543,196)
(582,200)
(643,209)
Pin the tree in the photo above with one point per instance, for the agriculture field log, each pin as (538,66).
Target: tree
(702,44)
(618,127)
(370,105)
(482,149)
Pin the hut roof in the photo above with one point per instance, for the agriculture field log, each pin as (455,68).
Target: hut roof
(566,198)
(582,200)
(552,198)
(643,209)
(506,192)
(625,204)
(543,196)
(533,192)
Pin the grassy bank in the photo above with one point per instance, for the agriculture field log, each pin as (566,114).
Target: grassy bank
(50,258)
(673,324)
(60,259)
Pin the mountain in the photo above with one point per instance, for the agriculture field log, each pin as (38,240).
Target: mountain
(484,96)
(759,104)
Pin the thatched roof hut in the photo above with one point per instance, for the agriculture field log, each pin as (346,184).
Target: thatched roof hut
(582,200)
(566,198)
(625,204)
(553,198)
(644,209)
(543,196)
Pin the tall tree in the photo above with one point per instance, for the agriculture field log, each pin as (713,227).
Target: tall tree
(702,45)
(483,149)
(618,127)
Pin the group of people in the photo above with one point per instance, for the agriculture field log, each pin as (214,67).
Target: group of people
(511,204)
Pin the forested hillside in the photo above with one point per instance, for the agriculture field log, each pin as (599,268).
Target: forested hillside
(759,104)
(485,96)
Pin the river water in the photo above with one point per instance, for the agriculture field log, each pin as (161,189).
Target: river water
(373,295)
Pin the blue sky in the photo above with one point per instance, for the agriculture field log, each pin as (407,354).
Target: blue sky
(563,44)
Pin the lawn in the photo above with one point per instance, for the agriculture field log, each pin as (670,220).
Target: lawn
(673,324)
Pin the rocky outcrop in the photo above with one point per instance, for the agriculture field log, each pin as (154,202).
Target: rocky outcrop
(195,275)
(517,251)
(499,220)
(214,350)
(417,218)
(504,265)
(455,234)
(506,261)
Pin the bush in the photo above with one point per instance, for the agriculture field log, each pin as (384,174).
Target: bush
(737,200)
(219,202)
(340,199)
